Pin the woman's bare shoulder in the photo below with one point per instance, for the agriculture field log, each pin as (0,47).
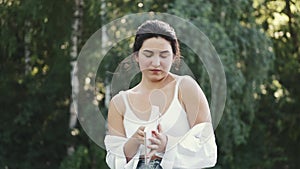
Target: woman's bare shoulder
(188,83)
(189,87)
(118,102)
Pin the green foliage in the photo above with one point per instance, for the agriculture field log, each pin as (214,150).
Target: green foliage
(30,103)
(85,157)
(281,93)
(259,128)
(242,48)
(76,160)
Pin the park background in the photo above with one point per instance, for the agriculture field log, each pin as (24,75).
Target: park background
(258,42)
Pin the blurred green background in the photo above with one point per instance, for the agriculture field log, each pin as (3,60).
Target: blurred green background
(258,42)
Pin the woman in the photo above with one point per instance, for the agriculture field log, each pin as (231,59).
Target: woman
(164,121)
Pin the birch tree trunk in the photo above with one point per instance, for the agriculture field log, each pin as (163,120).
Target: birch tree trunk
(27,39)
(104,40)
(75,41)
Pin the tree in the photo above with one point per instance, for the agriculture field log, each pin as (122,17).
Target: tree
(245,52)
(280,95)
(33,103)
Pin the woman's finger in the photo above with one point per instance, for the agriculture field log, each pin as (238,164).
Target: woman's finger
(151,153)
(138,139)
(153,146)
(141,128)
(159,129)
(141,133)
(157,135)
(159,139)
(155,140)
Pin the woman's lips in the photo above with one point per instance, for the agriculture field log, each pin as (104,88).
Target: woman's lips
(155,70)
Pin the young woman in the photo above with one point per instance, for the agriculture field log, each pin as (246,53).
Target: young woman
(164,121)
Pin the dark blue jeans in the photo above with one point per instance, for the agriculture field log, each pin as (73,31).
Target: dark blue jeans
(153,164)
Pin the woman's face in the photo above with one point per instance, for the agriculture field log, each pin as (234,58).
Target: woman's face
(155,58)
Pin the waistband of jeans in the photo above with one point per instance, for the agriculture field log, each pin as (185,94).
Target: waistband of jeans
(153,158)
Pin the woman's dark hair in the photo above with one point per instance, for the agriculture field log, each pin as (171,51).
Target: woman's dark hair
(156,28)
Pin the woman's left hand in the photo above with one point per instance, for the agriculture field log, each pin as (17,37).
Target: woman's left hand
(158,142)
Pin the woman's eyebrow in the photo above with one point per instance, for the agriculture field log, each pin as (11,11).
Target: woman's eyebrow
(165,51)
(161,52)
(146,50)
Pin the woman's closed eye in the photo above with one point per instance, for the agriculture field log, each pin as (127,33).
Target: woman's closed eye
(148,53)
(165,54)
(162,54)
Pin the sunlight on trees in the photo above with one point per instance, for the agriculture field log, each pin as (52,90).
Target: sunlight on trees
(258,42)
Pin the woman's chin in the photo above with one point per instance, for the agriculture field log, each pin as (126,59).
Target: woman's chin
(156,78)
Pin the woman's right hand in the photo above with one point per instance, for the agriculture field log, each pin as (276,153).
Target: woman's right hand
(139,136)
(132,145)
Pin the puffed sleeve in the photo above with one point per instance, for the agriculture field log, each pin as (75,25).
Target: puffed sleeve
(196,149)
(115,157)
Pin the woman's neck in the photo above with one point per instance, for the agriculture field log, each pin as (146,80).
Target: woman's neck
(147,84)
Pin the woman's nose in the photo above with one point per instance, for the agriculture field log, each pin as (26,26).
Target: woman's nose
(156,61)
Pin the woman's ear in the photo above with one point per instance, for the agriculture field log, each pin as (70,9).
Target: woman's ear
(174,58)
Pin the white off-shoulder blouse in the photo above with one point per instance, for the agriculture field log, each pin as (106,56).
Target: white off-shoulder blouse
(189,148)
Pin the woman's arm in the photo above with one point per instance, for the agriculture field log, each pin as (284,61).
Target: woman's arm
(197,148)
(194,101)
(132,145)
(116,128)
(115,118)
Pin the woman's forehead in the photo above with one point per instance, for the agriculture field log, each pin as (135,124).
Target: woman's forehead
(156,43)
(156,50)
